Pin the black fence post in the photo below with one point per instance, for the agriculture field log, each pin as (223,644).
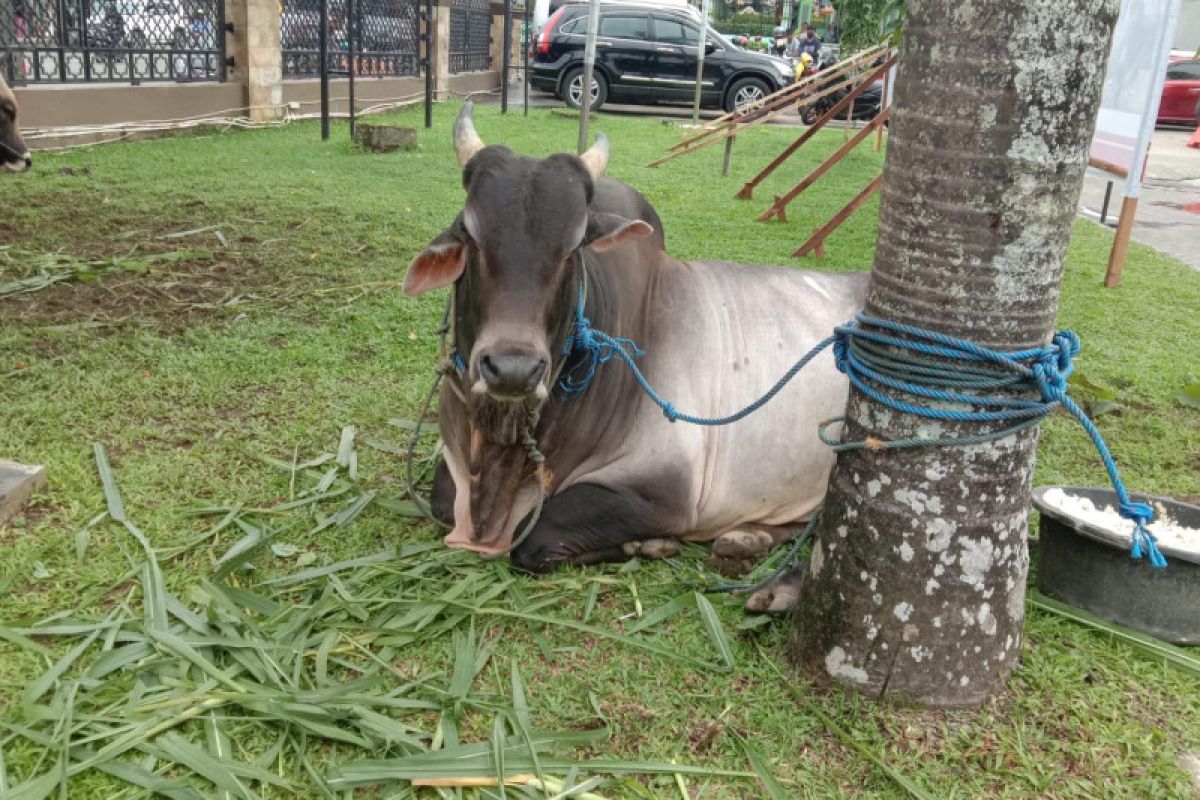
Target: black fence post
(323,55)
(504,55)
(428,64)
(526,44)
(220,43)
(353,11)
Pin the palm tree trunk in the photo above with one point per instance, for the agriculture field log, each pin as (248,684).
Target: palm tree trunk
(916,588)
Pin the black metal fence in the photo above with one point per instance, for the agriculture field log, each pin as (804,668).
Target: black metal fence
(68,41)
(386,37)
(470,35)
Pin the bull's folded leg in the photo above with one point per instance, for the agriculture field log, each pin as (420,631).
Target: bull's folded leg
(590,524)
(441,499)
(652,548)
(736,552)
(780,595)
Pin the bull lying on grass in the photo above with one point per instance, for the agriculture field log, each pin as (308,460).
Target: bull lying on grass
(537,239)
(14,156)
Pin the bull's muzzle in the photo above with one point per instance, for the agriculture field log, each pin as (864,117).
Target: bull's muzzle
(512,374)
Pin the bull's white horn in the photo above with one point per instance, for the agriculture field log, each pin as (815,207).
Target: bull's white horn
(466,141)
(596,158)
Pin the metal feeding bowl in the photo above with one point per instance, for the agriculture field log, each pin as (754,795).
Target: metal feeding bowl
(1089,567)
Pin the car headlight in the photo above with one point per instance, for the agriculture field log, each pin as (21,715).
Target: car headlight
(785,69)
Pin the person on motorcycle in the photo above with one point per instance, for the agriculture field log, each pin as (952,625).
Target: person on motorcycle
(804,66)
(810,43)
(792,50)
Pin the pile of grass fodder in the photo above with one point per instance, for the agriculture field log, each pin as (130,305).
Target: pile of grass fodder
(305,682)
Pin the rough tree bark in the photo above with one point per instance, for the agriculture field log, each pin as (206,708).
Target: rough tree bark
(916,588)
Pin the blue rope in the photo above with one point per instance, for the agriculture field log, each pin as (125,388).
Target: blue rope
(911,360)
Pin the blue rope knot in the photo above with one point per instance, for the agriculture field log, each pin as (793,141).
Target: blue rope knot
(591,348)
(1054,365)
(1141,514)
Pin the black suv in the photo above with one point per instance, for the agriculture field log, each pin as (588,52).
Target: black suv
(646,54)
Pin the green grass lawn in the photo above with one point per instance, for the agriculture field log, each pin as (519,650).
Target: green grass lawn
(237,301)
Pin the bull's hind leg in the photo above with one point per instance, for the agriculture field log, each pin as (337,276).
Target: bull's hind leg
(780,595)
(590,524)
(735,552)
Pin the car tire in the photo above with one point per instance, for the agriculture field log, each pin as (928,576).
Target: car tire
(572,89)
(743,91)
(1198,112)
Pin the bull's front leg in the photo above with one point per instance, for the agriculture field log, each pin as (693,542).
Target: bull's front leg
(590,524)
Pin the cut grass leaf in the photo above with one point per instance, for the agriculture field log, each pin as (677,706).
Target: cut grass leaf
(664,612)
(767,778)
(112,495)
(48,678)
(716,631)
(1175,656)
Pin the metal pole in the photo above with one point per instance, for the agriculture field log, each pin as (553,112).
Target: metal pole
(323,52)
(351,62)
(526,41)
(1104,208)
(700,61)
(428,64)
(505,56)
(589,60)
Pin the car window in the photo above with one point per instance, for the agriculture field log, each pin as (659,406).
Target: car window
(673,31)
(1184,71)
(578,25)
(623,26)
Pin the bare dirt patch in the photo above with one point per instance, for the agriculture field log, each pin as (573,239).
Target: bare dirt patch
(118,270)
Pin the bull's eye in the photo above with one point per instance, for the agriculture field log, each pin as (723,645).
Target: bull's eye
(8,110)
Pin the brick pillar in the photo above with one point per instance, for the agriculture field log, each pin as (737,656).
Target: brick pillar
(441,49)
(258,62)
(514,50)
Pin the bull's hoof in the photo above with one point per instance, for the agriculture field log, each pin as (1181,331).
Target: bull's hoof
(741,544)
(780,595)
(652,548)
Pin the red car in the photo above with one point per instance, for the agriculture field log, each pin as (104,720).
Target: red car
(1180,103)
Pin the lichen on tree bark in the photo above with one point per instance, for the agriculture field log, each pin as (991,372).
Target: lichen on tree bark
(917,582)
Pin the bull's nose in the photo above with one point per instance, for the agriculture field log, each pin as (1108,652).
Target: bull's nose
(511,373)
(28,161)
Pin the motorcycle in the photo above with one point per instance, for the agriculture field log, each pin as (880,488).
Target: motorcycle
(864,108)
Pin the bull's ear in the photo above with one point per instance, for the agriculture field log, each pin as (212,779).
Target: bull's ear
(437,266)
(606,231)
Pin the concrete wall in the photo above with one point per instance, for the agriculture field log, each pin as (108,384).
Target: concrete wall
(55,105)
(255,86)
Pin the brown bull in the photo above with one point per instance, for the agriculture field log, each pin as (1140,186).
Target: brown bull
(14,155)
(543,243)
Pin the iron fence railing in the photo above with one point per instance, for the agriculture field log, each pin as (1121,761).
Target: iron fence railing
(470,35)
(386,37)
(70,41)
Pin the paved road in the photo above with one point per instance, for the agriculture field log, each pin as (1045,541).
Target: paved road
(1168,212)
